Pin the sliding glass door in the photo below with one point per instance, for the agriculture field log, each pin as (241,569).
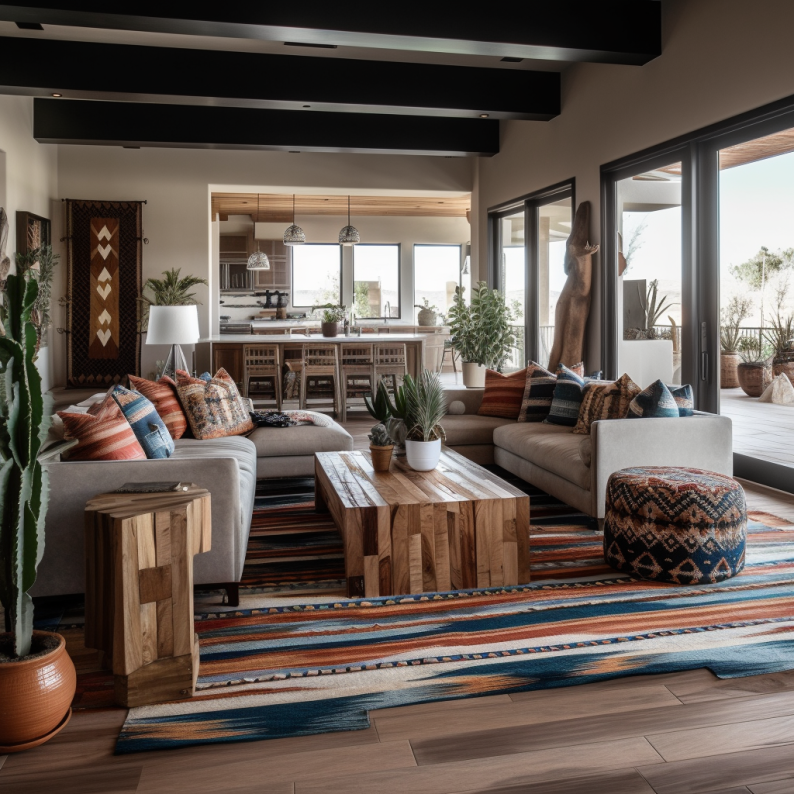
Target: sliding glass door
(513,279)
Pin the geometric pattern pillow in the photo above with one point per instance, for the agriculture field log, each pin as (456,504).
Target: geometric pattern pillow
(567,398)
(684,399)
(503,394)
(592,403)
(103,435)
(214,409)
(538,394)
(611,402)
(655,401)
(145,422)
(162,395)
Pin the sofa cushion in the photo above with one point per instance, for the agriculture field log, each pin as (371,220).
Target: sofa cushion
(103,435)
(149,428)
(215,408)
(552,447)
(654,401)
(163,396)
(273,442)
(611,402)
(684,399)
(471,429)
(538,394)
(567,398)
(503,394)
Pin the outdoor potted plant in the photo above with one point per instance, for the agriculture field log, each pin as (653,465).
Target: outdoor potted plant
(380,447)
(733,315)
(428,315)
(37,677)
(482,333)
(332,315)
(781,336)
(754,372)
(425,408)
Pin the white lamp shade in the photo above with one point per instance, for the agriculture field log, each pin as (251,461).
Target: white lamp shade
(173,325)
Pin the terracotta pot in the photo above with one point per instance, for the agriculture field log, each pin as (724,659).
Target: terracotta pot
(754,378)
(784,364)
(381,457)
(473,375)
(330,329)
(35,695)
(729,363)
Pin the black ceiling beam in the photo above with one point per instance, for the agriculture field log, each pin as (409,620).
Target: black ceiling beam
(40,67)
(607,31)
(198,127)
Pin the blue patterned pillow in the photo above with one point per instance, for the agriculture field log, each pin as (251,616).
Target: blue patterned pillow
(684,398)
(146,424)
(567,398)
(655,401)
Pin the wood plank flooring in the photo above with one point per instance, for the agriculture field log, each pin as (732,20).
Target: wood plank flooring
(679,733)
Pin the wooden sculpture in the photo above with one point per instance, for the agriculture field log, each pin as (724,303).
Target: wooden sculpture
(573,306)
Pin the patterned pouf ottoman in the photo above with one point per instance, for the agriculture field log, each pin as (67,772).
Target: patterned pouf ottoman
(685,526)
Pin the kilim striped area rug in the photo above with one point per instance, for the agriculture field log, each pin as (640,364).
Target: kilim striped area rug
(288,665)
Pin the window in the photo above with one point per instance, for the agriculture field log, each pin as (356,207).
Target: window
(512,279)
(316,274)
(376,281)
(436,275)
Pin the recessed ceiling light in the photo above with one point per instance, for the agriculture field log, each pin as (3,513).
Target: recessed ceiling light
(56,95)
(511,59)
(484,115)
(312,44)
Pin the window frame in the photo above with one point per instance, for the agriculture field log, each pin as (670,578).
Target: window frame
(399,278)
(292,272)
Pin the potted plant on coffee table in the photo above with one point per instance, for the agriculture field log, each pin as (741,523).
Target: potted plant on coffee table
(380,447)
(482,332)
(390,413)
(37,677)
(425,408)
(332,315)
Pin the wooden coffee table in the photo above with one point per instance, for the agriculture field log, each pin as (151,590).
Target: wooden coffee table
(454,528)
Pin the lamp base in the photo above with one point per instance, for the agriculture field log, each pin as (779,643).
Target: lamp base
(176,360)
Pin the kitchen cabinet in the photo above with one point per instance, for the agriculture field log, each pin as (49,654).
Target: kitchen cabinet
(279,273)
(230,357)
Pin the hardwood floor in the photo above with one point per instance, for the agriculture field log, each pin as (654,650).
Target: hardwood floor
(680,733)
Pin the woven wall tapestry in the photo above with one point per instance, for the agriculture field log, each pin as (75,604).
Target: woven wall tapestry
(104,261)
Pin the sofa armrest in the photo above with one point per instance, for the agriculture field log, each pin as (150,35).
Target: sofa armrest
(703,441)
(471,398)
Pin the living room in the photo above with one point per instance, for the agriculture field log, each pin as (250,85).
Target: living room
(618,179)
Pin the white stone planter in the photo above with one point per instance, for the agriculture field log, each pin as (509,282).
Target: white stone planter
(473,376)
(423,455)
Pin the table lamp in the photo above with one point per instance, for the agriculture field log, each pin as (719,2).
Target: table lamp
(175,326)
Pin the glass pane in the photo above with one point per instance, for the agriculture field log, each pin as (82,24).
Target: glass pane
(554,228)
(436,275)
(315,274)
(757,299)
(649,282)
(376,281)
(514,274)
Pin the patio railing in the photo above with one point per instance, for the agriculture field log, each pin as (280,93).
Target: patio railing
(517,357)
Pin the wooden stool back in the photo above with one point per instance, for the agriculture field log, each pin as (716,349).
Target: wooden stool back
(390,363)
(262,368)
(358,374)
(320,375)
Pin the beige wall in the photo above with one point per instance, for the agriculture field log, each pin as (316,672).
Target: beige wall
(720,58)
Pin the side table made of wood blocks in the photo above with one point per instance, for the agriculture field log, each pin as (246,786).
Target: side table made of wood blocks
(139,552)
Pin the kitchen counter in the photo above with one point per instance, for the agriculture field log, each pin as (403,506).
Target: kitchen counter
(299,338)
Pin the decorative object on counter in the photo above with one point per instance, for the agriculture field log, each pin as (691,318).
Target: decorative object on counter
(737,310)
(37,677)
(175,326)
(282,301)
(425,407)
(349,235)
(332,315)
(754,371)
(573,305)
(39,264)
(482,333)
(781,336)
(294,235)
(104,242)
(380,447)
(428,315)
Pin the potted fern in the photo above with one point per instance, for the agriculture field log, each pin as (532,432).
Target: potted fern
(425,408)
(37,677)
(168,291)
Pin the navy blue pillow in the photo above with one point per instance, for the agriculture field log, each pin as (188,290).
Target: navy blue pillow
(655,401)
(149,428)
(684,398)
(567,398)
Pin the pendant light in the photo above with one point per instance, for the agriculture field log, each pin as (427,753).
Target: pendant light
(294,234)
(258,260)
(349,234)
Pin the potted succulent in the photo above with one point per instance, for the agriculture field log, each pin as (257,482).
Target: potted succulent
(425,408)
(780,335)
(390,413)
(754,372)
(37,677)
(332,315)
(380,447)
(428,315)
(482,333)
(733,315)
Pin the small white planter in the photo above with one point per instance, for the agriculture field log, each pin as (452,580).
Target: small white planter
(423,455)
(473,376)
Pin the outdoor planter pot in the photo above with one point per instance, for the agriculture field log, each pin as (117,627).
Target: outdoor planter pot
(423,455)
(754,378)
(729,378)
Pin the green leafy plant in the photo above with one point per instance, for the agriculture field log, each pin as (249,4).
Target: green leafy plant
(425,304)
(652,306)
(331,312)
(733,315)
(425,407)
(25,415)
(379,408)
(379,436)
(754,350)
(780,333)
(389,411)
(169,291)
(481,331)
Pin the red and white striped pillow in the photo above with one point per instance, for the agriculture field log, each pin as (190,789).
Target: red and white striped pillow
(163,396)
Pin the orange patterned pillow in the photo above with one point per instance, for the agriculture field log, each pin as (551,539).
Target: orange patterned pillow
(162,395)
(503,394)
(610,401)
(103,434)
(214,408)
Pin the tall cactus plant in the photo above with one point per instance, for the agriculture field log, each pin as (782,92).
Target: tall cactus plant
(25,415)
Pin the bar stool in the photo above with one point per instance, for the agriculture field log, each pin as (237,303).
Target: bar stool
(320,375)
(358,373)
(449,348)
(262,373)
(434,350)
(390,364)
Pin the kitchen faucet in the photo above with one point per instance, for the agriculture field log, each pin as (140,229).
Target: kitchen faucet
(388,313)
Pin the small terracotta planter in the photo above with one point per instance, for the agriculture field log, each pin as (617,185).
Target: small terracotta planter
(35,695)
(330,329)
(729,363)
(381,457)
(754,378)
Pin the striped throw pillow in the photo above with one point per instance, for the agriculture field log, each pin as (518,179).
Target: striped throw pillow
(610,402)
(538,394)
(103,434)
(149,428)
(567,398)
(503,394)
(163,396)
(655,401)
(214,409)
